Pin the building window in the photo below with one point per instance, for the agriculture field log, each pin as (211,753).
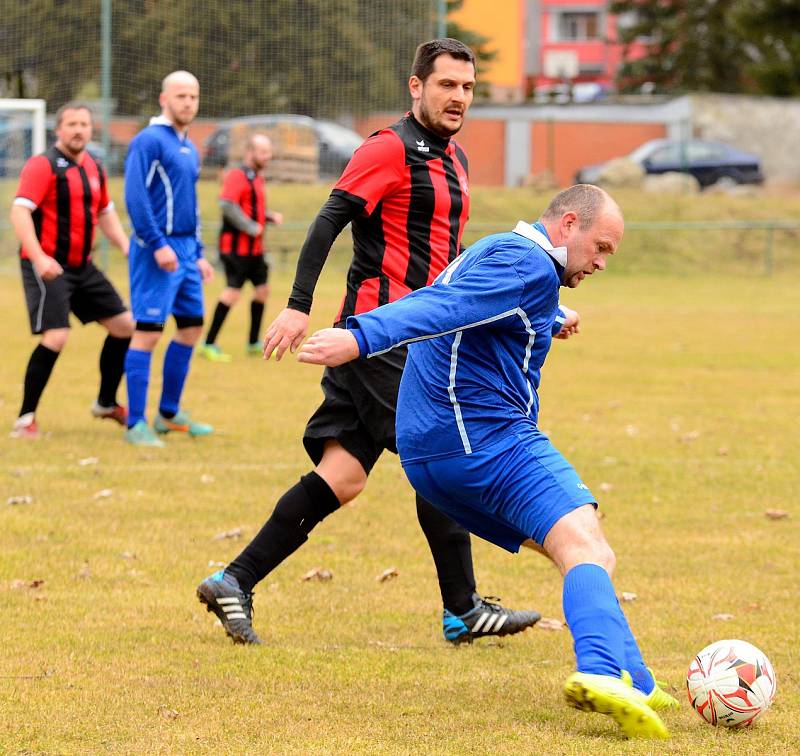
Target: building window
(578,26)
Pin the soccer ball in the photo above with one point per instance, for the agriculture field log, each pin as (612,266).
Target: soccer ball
(730,683)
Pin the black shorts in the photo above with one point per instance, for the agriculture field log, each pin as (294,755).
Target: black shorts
(359,408)
(85,291)
(241,268)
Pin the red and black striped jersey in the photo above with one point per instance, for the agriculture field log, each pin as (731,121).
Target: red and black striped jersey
(414,189)
(65,198)
(245,187)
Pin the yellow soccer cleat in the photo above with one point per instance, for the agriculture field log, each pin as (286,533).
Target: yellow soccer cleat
(616,698)
(658,699)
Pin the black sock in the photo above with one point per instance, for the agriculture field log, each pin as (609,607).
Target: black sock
(37,374)
(219,318)
(112,366)
(256,313)
(301,508)
(452,553)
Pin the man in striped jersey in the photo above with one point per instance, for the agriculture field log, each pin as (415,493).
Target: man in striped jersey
(62,196)
(406,193)
(241,244)
(167,267)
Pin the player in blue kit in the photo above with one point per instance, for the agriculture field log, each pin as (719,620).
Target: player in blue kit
(167,267)
(467,425)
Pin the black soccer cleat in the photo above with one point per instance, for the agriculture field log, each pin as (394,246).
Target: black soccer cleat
(221,594)
(485,619)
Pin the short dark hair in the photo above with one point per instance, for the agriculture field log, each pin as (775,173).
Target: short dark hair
(427,53)
(585,200)
(72,105)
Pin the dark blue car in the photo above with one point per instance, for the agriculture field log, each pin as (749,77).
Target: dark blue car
(709,162)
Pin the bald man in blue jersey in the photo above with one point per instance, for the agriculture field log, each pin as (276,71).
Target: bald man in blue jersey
(167,267)
(467,429)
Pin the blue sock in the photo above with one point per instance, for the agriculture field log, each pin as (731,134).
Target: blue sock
(176,368)
(634,663)
(137,379)
(595,620)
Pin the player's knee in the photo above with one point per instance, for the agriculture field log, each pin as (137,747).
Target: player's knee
(56,339)
(229,296)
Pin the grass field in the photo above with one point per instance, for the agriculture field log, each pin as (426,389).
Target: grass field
(678,404)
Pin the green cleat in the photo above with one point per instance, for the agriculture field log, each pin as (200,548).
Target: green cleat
(255,349)
(142,435)
(616,698)
(658,699)
(181,423)
(214,354)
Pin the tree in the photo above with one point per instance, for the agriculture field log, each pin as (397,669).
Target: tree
(771,33)
(690,45)
(711,45)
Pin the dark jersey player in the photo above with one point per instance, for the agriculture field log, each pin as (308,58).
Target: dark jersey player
(406,193)
(241,247)
(62,196)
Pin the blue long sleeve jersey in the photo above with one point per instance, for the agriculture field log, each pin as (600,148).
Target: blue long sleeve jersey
(161,172)
(478,337)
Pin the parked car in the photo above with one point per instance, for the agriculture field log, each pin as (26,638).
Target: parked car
(707,161)
(335,144)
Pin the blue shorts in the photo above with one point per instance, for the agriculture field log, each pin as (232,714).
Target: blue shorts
(156,294)
(507,493)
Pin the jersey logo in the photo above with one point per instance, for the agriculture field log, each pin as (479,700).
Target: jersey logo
(185,150)
(583,486)
(95,184)
(421,146)
(462,180)
(61,163)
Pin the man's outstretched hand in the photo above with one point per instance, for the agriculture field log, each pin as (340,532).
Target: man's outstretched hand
(285,332)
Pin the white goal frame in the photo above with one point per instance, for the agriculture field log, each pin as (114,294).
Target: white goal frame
(37,108)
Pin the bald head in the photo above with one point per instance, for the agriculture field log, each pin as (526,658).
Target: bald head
(257,151)
(588,222)
(179,98)
(177,78)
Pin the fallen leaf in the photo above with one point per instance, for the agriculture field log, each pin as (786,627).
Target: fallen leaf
(233,533)
(128,555)
(168,713)
(88,461)
(723,451)
(776,514)
(753,607)
(21,584)
(206,478)
(548,623)
(103,493)
(628,596)
(687,438)
(631,430)
(722,617)
(609,461)
(84,573)
(14,500)
(318,573)
(387,574)
(605,487)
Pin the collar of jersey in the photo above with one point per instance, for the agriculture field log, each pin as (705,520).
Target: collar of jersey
(162,120)
(428,134)
(559,254)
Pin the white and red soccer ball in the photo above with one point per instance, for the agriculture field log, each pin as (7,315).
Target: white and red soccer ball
(730,683)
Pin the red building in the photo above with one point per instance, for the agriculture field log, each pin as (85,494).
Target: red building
(573,43)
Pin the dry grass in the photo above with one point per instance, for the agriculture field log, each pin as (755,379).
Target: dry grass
(678,400)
